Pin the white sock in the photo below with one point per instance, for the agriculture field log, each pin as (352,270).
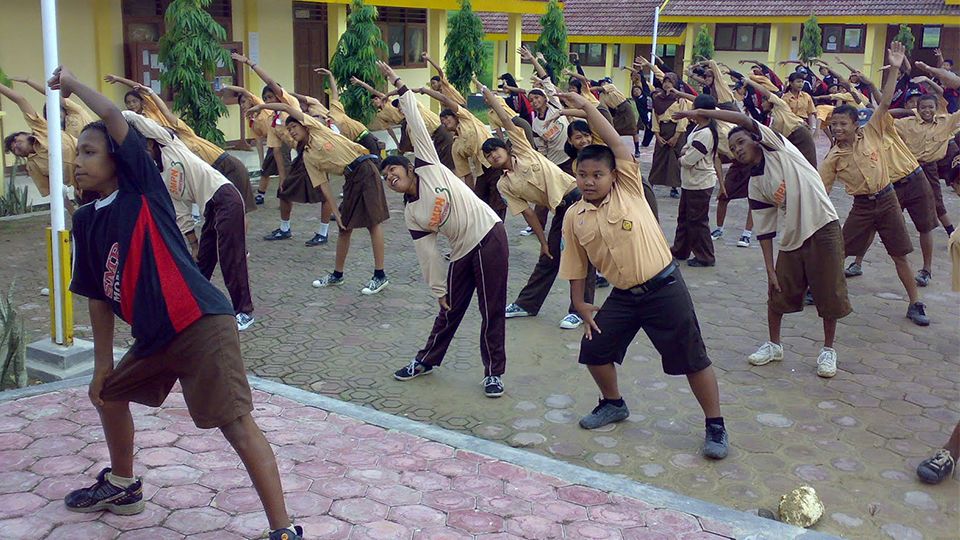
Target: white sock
(120,481)
(747,233)
(324,229)
(285,225)
(720,228)
(289,527)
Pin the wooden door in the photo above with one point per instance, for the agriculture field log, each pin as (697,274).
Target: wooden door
(309,48)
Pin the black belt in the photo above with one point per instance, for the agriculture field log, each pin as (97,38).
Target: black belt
(876,195)
(915,174)
(665,277)
(570,198)
(352,167)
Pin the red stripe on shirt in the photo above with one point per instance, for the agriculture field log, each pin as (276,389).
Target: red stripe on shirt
(182,308)
(131,267)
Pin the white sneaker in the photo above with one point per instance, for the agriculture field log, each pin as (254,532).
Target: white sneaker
(744,241)
(526,232)
(768,352)
(514,310)
(571,322)
(244,320)
(827,363)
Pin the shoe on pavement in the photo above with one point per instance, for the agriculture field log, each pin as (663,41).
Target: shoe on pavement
(244,320)
(637,154)
(105,496)
(571,322)
(744,241)
(492,386)
(258,198)
(697,263)
(923,277)
(768,352)
(674,193)
(287,534)
(514,310)
(412,370)
(827,363)
(375,285)
(917,313)
(604,413)
(328,280)
(853,270)
(317,240)
(808,298)
(277,234)
(717,233)
(602,282)
(934,469)
(716,444)
(526,232)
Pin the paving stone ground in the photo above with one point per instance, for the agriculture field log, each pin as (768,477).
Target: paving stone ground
(343,478)
(856,438)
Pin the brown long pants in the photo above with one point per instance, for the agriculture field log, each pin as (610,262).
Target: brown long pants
(693,226)
(535,292)
(483,270)
(222,238)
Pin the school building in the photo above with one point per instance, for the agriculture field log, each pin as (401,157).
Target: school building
(290,38)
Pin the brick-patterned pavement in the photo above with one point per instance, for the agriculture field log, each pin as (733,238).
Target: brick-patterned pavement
(343,478)
(856,438)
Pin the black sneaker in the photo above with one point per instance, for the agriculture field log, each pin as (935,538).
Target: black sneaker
(916,313)
(697,263)
(674,193)
(603,414)
(317,240)
(853,270)
(258,198)
(808,298)
(287,534)
(412,370)
(277,234)
(934,469)
(715,442)
(492,386)
(923,277)
(105,496)
(602,282)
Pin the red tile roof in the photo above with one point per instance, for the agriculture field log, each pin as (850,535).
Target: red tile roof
(803,8)
(594,18)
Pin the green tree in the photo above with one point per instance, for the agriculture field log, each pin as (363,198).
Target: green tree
(905,36)
(356,56)
(552,42)
(465,50)
(191,50)
(811,43)
(703,45)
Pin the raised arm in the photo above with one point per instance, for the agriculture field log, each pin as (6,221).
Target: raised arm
(757,87)
(373,91)
(948,78)
(441,97)
(114,79)
(35,85)
(844,64)
(421,139)
(267,80)
(731,117)
(426,57)
(600,124)
(297,114)
(929,83)
(896,55)
(239,90)
(25,107)
(112,117)
(331,82)
(147,92)
(528,56)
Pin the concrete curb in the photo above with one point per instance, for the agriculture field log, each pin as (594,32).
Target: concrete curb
(745,526)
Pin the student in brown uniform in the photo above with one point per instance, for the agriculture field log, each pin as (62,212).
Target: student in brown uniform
(364,204)
(349,128)
(624,113)
(468,132)
(860,162)
(34,147)
(439,83)
(259,127)
(785,122)
(665,169)
(800,102)
(387,116)
(613,228)
(530,179)
(74,116)
(698,176)
(436,203)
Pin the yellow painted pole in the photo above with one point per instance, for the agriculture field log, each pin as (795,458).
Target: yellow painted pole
(497,54)
(437,43)
(336,26)
(608,61)
(251,27)
(773,46)
(514,41)
(63,248)
(692,30)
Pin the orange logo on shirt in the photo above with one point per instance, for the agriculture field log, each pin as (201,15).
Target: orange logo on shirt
(440,212)
(781,195)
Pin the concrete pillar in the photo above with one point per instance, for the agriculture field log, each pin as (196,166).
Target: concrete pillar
(629,51)
(436,42)
(773,48)
(608,60)
(689,39)
(874,47)
(497,58)
(336,26)
(514,41)
(108,37)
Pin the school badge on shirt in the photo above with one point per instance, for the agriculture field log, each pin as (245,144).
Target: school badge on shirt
(626,225)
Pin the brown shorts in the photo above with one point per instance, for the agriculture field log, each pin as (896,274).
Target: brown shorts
(933,178)
(364,202)
(736,182)
(818,265)
(298,187)
(269,165)
(876,214)
(205,358)
(948,173)
(916,197)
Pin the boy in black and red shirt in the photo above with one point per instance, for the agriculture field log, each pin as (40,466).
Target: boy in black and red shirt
(131,261)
